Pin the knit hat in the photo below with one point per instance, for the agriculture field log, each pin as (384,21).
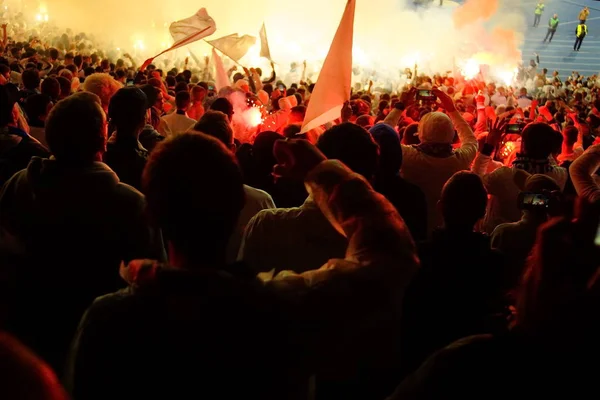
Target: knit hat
(436,127)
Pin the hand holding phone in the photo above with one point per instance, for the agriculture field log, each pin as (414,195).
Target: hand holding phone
(426,95)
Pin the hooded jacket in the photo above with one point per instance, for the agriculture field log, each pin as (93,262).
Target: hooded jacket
(67,230)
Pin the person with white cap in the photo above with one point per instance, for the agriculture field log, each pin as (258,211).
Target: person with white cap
(432,162)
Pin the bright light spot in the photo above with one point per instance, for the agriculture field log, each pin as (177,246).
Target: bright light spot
(38,17)
(253,117)
(507,77)
(359,57)
(411,60)
(139,44)
(46,17)
(118,49)
(470,69)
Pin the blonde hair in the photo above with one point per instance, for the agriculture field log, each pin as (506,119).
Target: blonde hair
(103,85)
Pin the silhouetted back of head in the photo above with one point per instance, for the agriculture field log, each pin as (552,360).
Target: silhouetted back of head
(183,100)
(194,192)
(537,140)
(51,88)
(223,105)
(127,109)
(216,124)
(76,129)
(37,106)
(151,93)
(262,151)
(31,79)
(24,375)
(390,159)
(352,145)
(463,200)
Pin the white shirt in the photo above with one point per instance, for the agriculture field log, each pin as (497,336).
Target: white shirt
(173,124)
(524,102)
(498,99)
(256,201)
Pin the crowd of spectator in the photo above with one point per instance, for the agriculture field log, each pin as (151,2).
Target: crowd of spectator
(154,245)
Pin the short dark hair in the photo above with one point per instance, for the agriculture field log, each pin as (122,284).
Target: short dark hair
(181,87)
(65,86)
(182,100)
(127,108)
(463,199)
(69,56)
(223,105)
(151,93)
(37,105)
(352,145)
(216,124)
(31,79)
(292,130)
(120,73)
(51,88)
(53,53)
(75,129)
(537,140)
(179,173)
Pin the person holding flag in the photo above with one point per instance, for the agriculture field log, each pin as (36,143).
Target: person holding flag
(539,10)
(552,26)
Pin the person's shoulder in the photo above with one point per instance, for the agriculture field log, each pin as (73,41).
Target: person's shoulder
(257,195)
(106,307)
(129,196)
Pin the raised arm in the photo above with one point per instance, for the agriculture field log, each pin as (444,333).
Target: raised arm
(581,172)
(468,141)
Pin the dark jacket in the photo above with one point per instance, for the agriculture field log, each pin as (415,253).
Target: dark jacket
(127,158)
(216,334)
(67,230)
(458,292)
(408,199)
(16,150)
(208,333)
(508,366)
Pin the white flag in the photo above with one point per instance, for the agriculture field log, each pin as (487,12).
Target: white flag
(196,27)
(334,83)
(233,46)
(187,31)
(264,43)
(221,77)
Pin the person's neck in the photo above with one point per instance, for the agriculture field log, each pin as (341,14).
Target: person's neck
(127,135)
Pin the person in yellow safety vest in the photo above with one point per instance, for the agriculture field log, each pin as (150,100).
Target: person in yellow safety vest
(552,26)
(583,15)
(581,31)
(539,10)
